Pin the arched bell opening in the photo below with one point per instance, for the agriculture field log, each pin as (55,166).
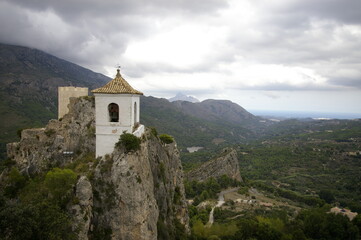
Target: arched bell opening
(113,110)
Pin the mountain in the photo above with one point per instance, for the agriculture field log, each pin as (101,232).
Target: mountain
(29,80)
(183,97)
(206,124)
(220,111)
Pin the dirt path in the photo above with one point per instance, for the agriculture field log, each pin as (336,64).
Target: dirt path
(219,203)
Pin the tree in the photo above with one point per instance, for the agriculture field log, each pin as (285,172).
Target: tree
(59,183)
(15,182)
(198,229)
(42,220)
(318,224)
(327,196)
(357,222)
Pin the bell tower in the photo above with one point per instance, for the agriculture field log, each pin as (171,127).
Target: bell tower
(116,110)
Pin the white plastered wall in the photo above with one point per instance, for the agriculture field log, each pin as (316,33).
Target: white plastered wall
(108,133)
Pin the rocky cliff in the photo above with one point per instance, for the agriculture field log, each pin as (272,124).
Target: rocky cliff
(59,143)
(29,81)
(225,164)
(125,195)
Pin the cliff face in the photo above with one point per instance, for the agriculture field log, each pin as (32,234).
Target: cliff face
(140,190)
(59,142)
(135,195)
(225,164)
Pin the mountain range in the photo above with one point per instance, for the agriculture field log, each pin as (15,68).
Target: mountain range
(29,79)
(183,97)
(287,166)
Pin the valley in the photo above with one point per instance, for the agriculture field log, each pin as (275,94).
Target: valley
(279,179)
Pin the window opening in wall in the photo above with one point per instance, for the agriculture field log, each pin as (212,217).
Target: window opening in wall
(135,113)
(113,109)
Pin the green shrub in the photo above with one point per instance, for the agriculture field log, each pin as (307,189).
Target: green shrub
(165,138)
(15,182)
(243,190)
(40,220)
(162,172)
(177,195)
(180,231)
(102,233)
(153,130)
(129,141)
(59,183)
(7,163)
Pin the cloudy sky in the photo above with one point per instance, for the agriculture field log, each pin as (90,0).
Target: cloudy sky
(298,55)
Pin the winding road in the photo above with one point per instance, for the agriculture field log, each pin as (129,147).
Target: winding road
(219,203)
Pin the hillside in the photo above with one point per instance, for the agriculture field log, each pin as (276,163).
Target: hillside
(209,124)
(183,97)
(303,161)
(287,167)
(302,181)
(29,79)
(323,162)
(218,111)
(136,192)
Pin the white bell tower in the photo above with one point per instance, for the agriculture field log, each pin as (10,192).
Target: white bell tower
(116,110)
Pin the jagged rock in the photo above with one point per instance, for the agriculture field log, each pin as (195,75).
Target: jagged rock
(225,164)
(138,190)
(137,195)
(42,148)
(168,181)
(82,211)
(125,186)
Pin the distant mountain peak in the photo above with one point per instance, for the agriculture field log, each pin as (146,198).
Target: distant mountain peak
(182,97)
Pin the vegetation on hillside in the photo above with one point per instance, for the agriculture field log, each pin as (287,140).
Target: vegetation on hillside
(307,165)
(29,81)
(129,142)
(323,163)
(314,223)
(200,191)
(306,170)
(189,130)
(35,208)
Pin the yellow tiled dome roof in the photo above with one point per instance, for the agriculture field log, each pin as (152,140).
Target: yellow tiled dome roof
(116,86)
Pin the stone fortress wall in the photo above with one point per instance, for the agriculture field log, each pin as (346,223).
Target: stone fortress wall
(64,95)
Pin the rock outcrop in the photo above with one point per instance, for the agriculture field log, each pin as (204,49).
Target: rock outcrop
(82,210)
(141,191)
(56,144)
(125,195)
(225,164)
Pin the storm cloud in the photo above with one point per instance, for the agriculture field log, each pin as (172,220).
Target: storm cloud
(200,47)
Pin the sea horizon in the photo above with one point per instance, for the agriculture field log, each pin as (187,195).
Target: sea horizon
(305,114)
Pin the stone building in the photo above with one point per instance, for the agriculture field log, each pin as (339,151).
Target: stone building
(64,95)
(116,111)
